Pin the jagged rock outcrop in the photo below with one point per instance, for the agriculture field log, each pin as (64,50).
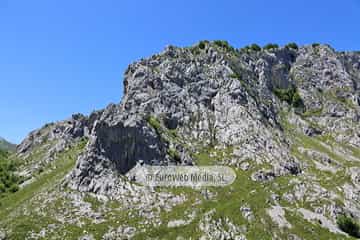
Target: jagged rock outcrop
(75,127)
(41,146)
(218,96)
(223,97)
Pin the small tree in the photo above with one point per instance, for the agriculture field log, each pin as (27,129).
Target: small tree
(270,46)
(348,225)
(314,45)
(255,47)
(225,45)
(14,188)
(292,45)
(297,101)
(202,44)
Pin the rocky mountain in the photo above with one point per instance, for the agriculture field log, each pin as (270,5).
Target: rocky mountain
(6,146)
(286,119)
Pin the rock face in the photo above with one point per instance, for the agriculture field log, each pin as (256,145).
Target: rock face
(65,131)
(116,147)
(214,95)
(41,146)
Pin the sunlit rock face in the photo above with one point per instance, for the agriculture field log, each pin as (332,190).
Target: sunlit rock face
(181,100)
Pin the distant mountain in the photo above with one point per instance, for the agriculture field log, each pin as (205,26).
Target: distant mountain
(7,146)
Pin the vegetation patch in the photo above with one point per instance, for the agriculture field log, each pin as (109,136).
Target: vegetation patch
(202,44)
(348,225)
(225,45)
(308,230)
(271,46)
(235,75)
(9,181)
(62,165)
(167,135)
(95,203)
(313,112)
(255,47)
(315,47)
(173,153)
(289,95)
(292,46)
(155,124)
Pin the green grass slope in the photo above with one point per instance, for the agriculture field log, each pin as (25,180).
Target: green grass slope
(19,224)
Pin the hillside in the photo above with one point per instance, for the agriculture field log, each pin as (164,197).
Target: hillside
(286,119)
(6,146)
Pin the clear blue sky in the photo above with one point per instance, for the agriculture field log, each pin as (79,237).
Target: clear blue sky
(62,57)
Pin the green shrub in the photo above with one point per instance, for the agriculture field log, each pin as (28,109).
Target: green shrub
(14,188)
(154,123)
(225,45)
(235,75)
(255,47)
(292,46)
(314,45)
(297,101)
(174,154)
(222,43)
(9,181)
(246,48)
(271,46)
(348,225)
(202,44)
(284,94)
(289,95)
(3,154)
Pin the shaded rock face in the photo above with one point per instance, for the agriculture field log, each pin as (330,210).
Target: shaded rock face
(124,145)
(116,144)
(214,96)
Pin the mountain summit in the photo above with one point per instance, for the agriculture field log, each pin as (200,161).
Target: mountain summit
(286,119)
